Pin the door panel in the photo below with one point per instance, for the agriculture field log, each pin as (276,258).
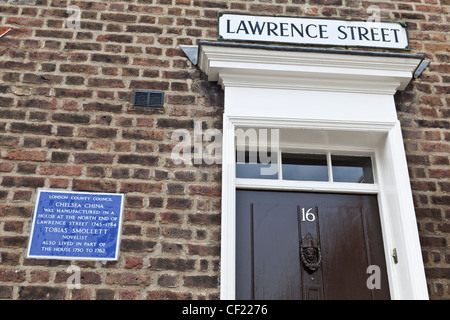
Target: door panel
(275,249)
(344,247)
(271,227)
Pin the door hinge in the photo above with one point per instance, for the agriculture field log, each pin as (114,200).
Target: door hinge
(394,255)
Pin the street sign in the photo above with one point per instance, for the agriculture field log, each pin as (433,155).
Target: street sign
(309,31)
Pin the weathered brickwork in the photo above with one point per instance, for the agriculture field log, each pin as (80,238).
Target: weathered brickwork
(66,122)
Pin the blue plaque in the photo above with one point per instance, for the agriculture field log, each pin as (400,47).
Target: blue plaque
(73,225)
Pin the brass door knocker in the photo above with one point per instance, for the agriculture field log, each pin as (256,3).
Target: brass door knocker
(310,253)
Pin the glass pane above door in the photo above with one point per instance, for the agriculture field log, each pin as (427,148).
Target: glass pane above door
(352,169)
(304,167)
(256,165)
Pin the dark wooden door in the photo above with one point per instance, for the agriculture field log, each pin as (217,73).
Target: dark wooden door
(292,245)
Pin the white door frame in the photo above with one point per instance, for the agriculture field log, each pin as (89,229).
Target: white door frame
(335,101)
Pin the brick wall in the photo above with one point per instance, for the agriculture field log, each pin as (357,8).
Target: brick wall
(66,122)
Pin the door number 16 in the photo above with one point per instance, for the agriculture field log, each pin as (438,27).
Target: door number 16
(308,215)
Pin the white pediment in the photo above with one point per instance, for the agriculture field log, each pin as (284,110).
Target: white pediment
(257,66)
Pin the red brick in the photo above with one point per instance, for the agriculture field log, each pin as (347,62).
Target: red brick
(201,281)
(26,22)
(26,168)
(94,185)
(170,217)
(433,135)
(143,134)
(143,29)
(172,248)
(97,132)
(6,167)
(86,277)
(72,93)
(59,183)
(203,250)
(39,103)
(22,195)
(31,128)
(122,146)
(174,123)
(115,38)
(108,58)
(54,34)
(175,264)
(445,186)
(150,62)
(10,141)
(11,275)
(435,147)
(104,146)
(178,203)
(167,281)
(168,295)
(79,68)
(441,200)
(104,107)
(93,158)
(185,175)
(13,226)
(134,202)
(131,215)
(26,155)
(204,219)
(139,160)
(119,17)
(433,241)
(82,46)
(423,186)
(134,263)
(47,56)
(71,118)
(19,33)
(16,65)
(129,294)
(211,4)
(13,241)
(20,211)
(6,292)
(61,170)
(65,143)
(137,245)
(177,233)
(41,293)
(210,191)
(41,276)
(106,83)
(140,187)
(28,182)
(104,294)
(130,279)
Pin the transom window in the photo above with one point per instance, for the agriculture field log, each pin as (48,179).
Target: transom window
(326,167)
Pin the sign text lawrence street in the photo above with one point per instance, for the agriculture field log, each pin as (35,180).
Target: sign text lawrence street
(313,31)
